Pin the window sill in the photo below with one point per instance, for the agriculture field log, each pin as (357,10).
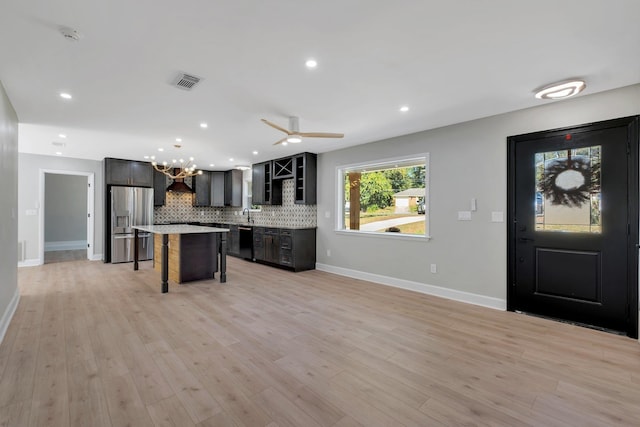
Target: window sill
(388,235)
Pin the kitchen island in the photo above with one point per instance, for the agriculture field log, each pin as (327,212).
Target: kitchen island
(194,252)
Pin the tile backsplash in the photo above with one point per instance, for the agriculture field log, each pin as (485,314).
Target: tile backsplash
(178,208)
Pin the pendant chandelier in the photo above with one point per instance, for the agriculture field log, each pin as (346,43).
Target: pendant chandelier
(177,169)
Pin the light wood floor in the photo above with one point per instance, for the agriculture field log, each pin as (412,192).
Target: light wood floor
(95,344)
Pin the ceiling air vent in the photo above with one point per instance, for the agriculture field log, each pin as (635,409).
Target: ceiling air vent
(186,81)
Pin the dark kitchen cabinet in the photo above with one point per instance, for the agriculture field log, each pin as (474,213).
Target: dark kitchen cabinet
(271,244)
(283,168)
(233,240)
(265,190)
(201,185)
(218,189)
(258,243)
(305,172)
(233,188)
(128,172)
(159,188)
(294,249)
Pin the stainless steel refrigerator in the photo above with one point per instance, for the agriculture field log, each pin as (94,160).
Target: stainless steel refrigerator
(130,206)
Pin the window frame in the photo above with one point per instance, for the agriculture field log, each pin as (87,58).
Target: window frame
(340,226)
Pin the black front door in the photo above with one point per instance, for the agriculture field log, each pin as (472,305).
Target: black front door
(573,215)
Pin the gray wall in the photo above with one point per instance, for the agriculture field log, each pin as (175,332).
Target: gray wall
(29,191)
(467,160)
(65,208)
(8,210)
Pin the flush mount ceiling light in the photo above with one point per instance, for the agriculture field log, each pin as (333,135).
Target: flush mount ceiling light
(70,34)
(404,109)
(204,125)
(294,139)
(65,95)
(561,90)
(311,63)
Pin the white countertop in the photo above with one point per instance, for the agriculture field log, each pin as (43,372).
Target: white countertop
(179,229)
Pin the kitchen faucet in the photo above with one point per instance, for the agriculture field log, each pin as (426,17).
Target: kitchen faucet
(248,214)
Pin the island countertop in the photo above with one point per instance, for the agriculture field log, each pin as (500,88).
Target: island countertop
(179,229)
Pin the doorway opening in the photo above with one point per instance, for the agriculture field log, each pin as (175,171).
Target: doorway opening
(66,217)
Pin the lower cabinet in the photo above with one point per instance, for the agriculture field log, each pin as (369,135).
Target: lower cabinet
(291,248)
(233,240)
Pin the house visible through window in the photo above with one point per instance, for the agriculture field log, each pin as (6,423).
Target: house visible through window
(385,197)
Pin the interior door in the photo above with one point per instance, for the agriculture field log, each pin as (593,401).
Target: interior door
(573,215)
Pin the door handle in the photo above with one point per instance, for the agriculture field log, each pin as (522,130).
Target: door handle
(525,239)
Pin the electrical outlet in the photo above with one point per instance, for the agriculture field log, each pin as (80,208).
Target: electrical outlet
(434,269)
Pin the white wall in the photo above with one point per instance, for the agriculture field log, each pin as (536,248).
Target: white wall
(8,211)
(467,160)
(29,196)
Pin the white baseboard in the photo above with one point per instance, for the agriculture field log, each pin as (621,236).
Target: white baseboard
(452,294)
(96,257)
(30,262)
(65,246)
(8,314)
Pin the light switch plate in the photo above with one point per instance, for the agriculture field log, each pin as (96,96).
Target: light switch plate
(497,216)
(464,216)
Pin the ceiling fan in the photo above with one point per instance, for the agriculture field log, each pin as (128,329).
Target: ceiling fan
(294,135)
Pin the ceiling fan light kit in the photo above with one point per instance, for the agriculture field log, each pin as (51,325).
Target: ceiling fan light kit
(294,135)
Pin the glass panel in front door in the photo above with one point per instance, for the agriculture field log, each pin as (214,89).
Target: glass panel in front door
(567,190)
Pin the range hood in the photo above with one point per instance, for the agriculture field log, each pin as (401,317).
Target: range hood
(178,185)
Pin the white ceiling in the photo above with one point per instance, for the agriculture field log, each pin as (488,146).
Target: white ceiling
(450,61)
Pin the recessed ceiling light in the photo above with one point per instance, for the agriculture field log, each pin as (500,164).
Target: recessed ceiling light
(243,167)
(561,90)
(204,125)
(404,109)
(231,159)
(211,165)
(65,95)
(255,152)
(311,63)
(153,157)
(146,157)
(160,149)
(62,135)
(284,143)
(178,139)
(58,153)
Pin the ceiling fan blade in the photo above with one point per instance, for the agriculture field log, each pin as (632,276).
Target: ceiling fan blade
(275,126)
(321,135)
(281,141)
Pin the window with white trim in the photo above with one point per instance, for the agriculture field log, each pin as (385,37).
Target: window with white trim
(390,197)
